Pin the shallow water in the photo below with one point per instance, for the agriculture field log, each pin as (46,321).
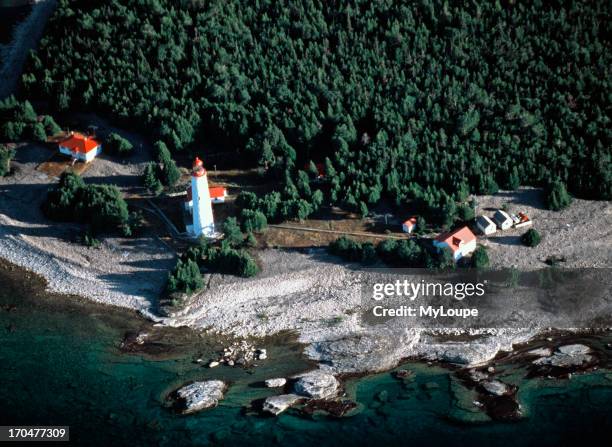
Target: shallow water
(61,364)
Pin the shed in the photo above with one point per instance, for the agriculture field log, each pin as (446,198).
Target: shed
(502,219)
(486,225)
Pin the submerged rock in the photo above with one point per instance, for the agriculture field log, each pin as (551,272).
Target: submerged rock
(276,383)
(317,385)
(496,387)
(403,374)
(477,376)
(567,356)
(575,349)
(199,396)
(540,352)
(277,404)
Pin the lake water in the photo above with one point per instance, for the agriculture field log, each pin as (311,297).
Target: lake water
(61,364)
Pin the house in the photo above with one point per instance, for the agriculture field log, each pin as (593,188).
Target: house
(80,147)
(461,242)
(409,225)
(523,221)
(486,225)
(217,195)
(503,220)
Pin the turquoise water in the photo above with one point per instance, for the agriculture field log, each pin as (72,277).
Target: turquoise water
(61,364)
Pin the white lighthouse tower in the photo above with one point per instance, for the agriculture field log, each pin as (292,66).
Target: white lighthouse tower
(203,222)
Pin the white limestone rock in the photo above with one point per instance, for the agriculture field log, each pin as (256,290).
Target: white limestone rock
(277,404)
(496,387)
(575,349)
(276,383)
(317,384)
(200,395)
(540,352)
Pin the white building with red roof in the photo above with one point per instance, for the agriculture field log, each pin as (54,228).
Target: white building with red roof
(410,224)
(80,147)
(461,242)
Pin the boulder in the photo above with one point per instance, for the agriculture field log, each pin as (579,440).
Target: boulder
(575,349)
(317,384)
(540,352)
(567,356)
(496,387)
(275,383)
(477,376)
(277,404)
(199,396)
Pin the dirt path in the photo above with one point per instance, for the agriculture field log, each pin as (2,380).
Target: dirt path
(344,233)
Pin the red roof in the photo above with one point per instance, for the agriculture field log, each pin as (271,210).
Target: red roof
(217,192)
(411,222)
(524,217)
(456,238)
(78,142)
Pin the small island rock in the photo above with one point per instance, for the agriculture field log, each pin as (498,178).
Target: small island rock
(496,387)
(200,395)
(278,404)
(317,384)
(275,383)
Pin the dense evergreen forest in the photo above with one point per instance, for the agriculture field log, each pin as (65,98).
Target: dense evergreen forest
(421,101)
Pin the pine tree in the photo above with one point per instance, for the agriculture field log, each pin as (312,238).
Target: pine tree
(231,232)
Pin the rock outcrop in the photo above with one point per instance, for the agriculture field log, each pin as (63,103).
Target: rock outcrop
(277,404)
(567,356)
(276,383)
(199,396)
(317,385)
(496,387)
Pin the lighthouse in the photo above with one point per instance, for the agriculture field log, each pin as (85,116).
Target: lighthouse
(203,222)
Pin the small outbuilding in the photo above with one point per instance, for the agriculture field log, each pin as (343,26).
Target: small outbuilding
(523,221)
(486,225)
(217,194)
(409,225)
(461,242)
(503,220)
(80,147)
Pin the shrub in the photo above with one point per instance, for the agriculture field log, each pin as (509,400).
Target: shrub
(353,251)
(409,253)
(232,233)
(253,221)
(6,155)
(185,277)
(100,206)
(440,260)
(150,179)
(250,240)
(38,133)
(118,145)
(465,213)
(168,172)
(480,258)
(229,260)
(531,238)
(557,197)
(51,127)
